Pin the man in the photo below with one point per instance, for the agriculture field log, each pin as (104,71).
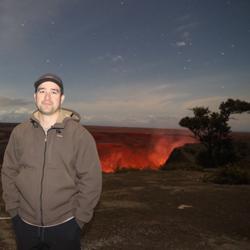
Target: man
(51,173)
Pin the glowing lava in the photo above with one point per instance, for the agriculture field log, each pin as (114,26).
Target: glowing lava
(125,150)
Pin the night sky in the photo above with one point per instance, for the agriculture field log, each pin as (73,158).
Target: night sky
(140,63)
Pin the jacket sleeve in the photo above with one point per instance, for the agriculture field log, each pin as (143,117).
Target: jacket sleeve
(9,172)
(89,178)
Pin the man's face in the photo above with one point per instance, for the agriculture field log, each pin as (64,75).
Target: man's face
(48,98)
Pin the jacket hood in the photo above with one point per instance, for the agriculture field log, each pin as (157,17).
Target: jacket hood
(64,116)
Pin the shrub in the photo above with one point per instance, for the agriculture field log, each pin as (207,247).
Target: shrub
(230,174)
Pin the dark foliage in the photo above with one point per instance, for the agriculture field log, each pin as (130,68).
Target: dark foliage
(213,131)
(230,174)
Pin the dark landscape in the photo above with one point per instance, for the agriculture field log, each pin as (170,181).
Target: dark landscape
(127,148)
(143,207)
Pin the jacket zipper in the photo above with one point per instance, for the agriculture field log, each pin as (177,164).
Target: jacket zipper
(41,194)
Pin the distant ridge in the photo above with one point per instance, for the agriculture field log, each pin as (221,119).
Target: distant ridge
(111,129)
(140,130)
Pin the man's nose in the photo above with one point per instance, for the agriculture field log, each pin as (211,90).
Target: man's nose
(47,96)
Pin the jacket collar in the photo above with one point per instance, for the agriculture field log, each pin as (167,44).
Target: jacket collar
(64,116)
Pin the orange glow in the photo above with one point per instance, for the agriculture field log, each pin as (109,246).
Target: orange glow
(137,151)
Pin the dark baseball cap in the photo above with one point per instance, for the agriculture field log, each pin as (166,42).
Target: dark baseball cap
(49,77)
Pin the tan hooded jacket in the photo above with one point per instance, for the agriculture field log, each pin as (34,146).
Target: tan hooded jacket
(49,178)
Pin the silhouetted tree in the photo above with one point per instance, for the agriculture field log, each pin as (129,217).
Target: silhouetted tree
(213,131)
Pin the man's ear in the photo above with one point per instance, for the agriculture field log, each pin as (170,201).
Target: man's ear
(62,98)
(35,97)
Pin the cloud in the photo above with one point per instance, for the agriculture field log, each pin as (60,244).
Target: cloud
(110,58)
(124,99)
(6,102)
(186,26)
(212,102)
(15,114)
(146,121)
(136,105)
(117,58)
(181,44)
(15,110)
(127,103)
(184,30)
(184,18)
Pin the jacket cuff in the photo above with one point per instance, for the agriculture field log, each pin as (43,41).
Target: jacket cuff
(80,223)
(12,212)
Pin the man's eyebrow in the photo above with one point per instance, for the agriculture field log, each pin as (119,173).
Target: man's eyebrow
(58,90)
(42,88)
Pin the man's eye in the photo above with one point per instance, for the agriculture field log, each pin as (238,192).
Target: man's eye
(41,91)
(54,92)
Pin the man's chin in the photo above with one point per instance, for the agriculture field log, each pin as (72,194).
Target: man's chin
(48,112)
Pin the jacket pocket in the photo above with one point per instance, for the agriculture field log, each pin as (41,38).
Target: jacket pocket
(27,184)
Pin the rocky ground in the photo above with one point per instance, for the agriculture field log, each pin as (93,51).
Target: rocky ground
(171,210)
